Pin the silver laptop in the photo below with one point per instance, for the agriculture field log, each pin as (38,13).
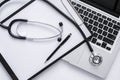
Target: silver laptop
(102,18)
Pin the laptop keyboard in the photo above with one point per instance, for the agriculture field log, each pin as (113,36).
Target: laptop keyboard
(104,28)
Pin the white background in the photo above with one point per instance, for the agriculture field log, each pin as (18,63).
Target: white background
(60,71)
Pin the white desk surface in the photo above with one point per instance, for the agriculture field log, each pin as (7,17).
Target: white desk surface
(63,70)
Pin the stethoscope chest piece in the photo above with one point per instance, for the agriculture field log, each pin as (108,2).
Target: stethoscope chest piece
(96,60)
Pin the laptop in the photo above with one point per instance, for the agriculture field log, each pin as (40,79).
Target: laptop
(101,17)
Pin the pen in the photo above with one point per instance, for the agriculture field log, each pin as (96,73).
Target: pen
(62,43)
(55,61)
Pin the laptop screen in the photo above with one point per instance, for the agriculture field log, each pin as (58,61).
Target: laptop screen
(113,5)
(107,3)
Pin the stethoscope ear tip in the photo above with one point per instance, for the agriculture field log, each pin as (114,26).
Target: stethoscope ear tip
(59,39)
(60,24)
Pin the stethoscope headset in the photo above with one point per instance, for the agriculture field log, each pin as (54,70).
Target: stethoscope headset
(95,59)
(59,29)
(25,37)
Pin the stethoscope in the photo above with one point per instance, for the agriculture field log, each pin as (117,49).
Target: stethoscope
(95,59)
(41,24)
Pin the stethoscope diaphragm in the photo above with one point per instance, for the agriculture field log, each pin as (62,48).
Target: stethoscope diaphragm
(96,60)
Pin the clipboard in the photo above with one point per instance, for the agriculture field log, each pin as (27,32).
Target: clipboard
(33,54)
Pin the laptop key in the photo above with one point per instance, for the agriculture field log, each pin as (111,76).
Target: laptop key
(80,11)
(114,21)
(116,27)
(104,17)
(95,23)
(100,37)
(110,30)
(95,17)
(118,24)
(100,20)
(82,16)
(95,34)
(89,10)
(94,40)
(83,7)
(104,33)
(105,28)
(90,15)
(85,13)
(99,44)
(109,19)
(99,31)
(86,19)
(93,12)
(98,14)
(108,41)
(115,32)
(79,5)
(73,3)
(76,8)
(110,24)
(91,21)
(108,48)
(100,26)
(90,27)
(111,36)
(94,29)
(105,22)
(104,45)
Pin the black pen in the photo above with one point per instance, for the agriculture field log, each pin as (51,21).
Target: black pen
(61,44)
(68,52)
(7,68)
